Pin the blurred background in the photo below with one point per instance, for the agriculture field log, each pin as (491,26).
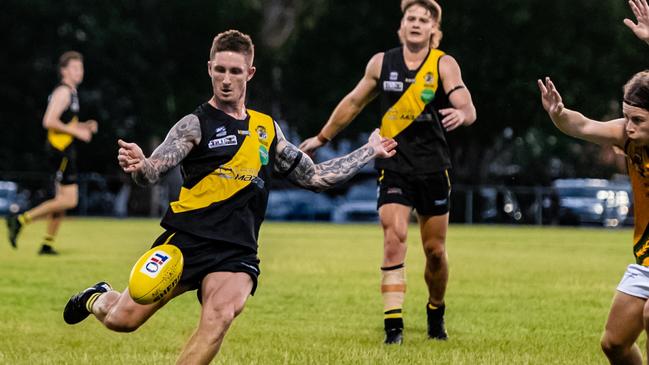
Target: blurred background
(145,65)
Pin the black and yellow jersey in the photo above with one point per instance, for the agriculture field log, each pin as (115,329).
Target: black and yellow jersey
(410,100)
(226,178)
(637,158)
(60,140)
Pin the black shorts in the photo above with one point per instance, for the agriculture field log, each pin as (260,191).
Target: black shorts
(203,256)
(63,165)
(428,193)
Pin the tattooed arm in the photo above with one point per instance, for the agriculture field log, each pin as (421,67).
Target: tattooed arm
(298,167)
(182,137)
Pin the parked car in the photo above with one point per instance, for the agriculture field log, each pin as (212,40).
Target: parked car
(498,205)
(95,196)
(624,185)
(11,201)
(298,204)
(359,204)
(593,201)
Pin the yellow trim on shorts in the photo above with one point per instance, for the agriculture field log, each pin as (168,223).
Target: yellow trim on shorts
(166,242)
(448,181)
(64,164)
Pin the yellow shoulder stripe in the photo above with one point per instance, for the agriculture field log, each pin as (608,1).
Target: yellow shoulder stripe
(61,140)
(414,99)
(236,174)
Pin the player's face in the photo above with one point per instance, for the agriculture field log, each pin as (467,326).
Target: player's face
(417,25)
(73,72)
(637,123)
(230,71)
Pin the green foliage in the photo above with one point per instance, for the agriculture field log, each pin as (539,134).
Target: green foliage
(145,63)
(515,296)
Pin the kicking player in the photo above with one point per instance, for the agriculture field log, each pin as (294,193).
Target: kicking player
(227,153)
(422,97)
(63,126)
(629,314)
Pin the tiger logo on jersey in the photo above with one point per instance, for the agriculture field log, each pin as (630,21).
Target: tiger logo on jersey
(639,160)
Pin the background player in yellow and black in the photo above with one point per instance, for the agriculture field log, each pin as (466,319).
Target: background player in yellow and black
(63,127)
(422,97)
(227,153)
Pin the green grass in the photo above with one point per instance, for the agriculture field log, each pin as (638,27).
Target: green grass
(516,295)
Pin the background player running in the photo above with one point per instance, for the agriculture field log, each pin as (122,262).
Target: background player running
(63,126)
(422,97)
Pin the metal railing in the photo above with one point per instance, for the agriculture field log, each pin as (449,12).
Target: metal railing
(118,196)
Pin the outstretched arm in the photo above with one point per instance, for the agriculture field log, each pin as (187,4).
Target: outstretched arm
(641,11)
(298,167)
(576,124)
(182,137)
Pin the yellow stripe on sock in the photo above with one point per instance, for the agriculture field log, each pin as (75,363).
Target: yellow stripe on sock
(23,219)
(393,315)
(91,301)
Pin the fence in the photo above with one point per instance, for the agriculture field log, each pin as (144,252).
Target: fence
(118,196)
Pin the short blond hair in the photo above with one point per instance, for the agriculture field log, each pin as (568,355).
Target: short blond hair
(234,41)
(435,10)
(65,59)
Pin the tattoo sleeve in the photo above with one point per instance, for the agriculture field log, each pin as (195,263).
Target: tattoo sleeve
(179,141)
(322,176)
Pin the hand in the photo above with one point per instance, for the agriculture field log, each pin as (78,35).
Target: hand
(310,145)
(383,147)
(453,118)
(91,125)
(82,133)
(641,11)
(130,156)
(550,98)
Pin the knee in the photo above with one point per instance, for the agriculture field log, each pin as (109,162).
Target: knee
(611,347)
(120,324)
(214,324)
(394,237)
(435,250)
(223,317)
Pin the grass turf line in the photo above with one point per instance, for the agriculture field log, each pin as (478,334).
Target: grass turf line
(516,295)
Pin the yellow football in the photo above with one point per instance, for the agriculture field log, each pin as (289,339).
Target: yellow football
(155,274)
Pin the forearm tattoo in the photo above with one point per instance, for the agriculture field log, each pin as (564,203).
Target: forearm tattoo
(324,175)
(179,141)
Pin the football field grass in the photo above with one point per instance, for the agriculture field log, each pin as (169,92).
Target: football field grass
(516,295)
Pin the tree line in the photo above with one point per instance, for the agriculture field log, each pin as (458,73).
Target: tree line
(146,67)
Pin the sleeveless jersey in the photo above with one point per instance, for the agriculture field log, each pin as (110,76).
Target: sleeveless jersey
(226,178)
(410,100)
(638,166)
(60,140)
